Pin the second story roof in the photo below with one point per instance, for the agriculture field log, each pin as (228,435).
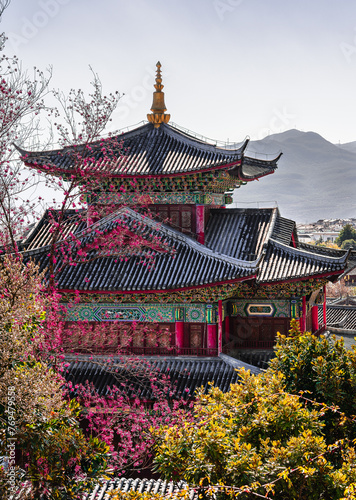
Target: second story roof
(163,258)
(240,244)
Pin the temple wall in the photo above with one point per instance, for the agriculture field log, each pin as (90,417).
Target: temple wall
(183,328)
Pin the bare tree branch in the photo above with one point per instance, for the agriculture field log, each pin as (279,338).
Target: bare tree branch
(3,5)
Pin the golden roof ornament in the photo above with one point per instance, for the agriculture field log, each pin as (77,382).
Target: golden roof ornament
(158,108)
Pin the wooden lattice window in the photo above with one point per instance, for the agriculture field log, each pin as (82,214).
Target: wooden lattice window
(180,217)
(194,335)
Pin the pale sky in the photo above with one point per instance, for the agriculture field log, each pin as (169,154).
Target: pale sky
(231,68)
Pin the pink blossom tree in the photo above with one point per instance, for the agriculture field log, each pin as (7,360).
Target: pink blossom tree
(118,429)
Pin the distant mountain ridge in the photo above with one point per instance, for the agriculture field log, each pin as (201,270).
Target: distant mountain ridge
(315,179)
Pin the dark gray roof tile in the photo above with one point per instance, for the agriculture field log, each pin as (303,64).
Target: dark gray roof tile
(339,316)
(282,262)
(180,263)
(132,375)
(155,151)
(238,232)
(154,486)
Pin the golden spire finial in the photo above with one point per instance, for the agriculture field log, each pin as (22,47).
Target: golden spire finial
(158,108)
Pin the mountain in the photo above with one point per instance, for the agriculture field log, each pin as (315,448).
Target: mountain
(349,146)
(315,179)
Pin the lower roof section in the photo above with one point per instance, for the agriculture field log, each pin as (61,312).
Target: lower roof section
(282,263)
(239,232)
(332,252)
(149,486)
(339,317)
(132,375)
(103,487)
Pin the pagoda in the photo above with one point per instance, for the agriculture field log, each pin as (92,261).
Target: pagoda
(219,279)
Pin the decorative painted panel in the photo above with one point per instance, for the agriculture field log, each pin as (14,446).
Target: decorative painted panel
(277,308)
(245,291)
(211,314)
(155,313)
(295,308)
(260,310)
(278,291)
(195,313)
(207,294)
(228,199)
(214,199)
(152,198)
(218,181)
(179,314)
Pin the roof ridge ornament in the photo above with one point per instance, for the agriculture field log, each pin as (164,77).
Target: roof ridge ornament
(158,108)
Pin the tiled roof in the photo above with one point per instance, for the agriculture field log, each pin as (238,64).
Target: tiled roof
(283,230)
(40,234)
(254,233)
(148,151)
(321,250)
(282,262)
(258,358)
(154,486)
(180,261)
(133,374)
(252,168)
(343,301)
(339,316)
(239,244)
(237,232)
(102,488)
(332,252)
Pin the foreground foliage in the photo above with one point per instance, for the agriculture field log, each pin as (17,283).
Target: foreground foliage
(39,429)
(285,434)
(257,438)
(63,446)
(325,372)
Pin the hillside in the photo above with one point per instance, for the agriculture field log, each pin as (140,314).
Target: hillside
(315,179)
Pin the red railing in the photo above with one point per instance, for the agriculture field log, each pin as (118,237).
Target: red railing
(145,351)
(169,351)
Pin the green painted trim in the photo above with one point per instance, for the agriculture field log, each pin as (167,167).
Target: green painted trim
(152,198)
(152,313)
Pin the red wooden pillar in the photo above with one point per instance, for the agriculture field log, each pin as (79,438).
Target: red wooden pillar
(179,335)
(200,223)
(179,317)
(324,306)
(212,337)
(220,326)
(211,329)
(315,320)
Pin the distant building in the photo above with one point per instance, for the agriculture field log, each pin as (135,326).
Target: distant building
(350,278)
(324,236)
(325,230)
